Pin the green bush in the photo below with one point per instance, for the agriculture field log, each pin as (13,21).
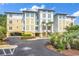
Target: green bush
(60,45)
(75,44)
(2,33)
(57,40)
(26,35)
(64,41)
(67,39)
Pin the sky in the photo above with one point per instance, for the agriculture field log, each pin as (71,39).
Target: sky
(69,8)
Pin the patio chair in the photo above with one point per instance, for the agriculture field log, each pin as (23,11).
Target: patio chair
(11,49)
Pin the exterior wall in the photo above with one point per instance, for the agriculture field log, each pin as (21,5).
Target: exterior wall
(55,24)
(32,24)
(46,19)
(63,23)
(16,23)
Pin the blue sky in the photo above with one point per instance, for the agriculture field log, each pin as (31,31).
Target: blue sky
(69,8)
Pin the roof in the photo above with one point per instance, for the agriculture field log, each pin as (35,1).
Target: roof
(46,10)
(13,12)
(60,14)
(71,16)
(30,11)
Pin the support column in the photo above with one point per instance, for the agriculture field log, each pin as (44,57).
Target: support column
(46,34)
(8,34)
(41,35)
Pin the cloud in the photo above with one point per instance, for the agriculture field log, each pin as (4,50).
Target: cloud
(34,7)
(75,13)
(37,7)
(3,3)
(22,9)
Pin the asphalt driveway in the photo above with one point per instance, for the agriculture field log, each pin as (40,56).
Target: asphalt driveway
(31,48)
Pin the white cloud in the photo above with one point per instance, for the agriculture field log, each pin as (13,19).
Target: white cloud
(22,9)
(34,7)
(37,7)
(42,6)
(75,13)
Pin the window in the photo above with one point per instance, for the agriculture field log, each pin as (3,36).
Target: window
(37,28)
(17,26)
(23,28)
(27,14)
(23,21)
(10,21)
(44,20)
(37,23)
(23,16)
(64,17)
(10,28)
(60,17)
(49,20)
(49,15)
(44,27)
(17,20)
(32,21)
(49,27)
(32,27)
(10,15)
(27,27)
(44,15)
(32,14)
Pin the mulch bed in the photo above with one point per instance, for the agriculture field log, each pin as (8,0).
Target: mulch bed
(71,52)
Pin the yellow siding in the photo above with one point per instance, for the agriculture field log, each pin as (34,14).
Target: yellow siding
(14,25)
(30,25)
(63,24)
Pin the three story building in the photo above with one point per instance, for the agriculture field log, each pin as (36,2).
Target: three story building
(35,22)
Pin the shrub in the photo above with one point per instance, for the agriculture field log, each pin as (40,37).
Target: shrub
(26,34)
(2,33)
(67,39)
(57,40)
(75,44)
(60,45)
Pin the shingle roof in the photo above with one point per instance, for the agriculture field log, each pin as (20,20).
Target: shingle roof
(46,10)
(60,14)
(13,12)
(71,16)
